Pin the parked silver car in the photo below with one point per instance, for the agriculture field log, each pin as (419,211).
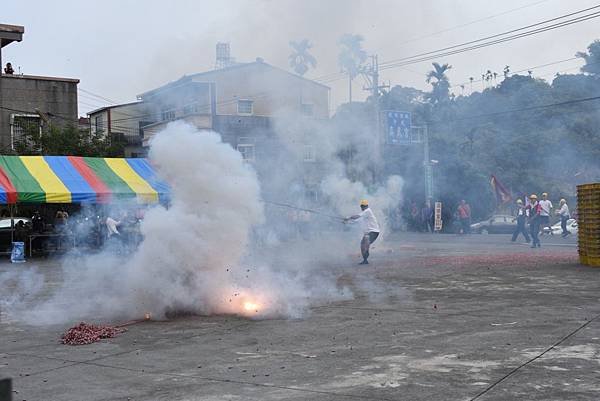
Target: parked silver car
(497,224)
(556,229)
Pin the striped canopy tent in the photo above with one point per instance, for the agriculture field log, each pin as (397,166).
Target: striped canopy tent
(73,179)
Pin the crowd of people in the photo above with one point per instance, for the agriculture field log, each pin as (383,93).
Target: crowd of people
(537,212)
(421,219)
(92,228)
(532,216)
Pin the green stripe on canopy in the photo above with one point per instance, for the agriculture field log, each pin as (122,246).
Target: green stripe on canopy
(119,188)
(28,189)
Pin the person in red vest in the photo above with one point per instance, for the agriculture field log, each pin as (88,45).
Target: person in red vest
(464,215)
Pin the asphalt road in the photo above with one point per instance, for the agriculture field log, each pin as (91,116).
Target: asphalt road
(443,318)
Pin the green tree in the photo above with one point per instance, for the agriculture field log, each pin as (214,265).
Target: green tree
(67,141)
(592,58)
(300,59)
(438,79)
(351,57)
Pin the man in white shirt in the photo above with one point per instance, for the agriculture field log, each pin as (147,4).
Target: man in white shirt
(564,214)
(370,229)
(111,227)
(545,208)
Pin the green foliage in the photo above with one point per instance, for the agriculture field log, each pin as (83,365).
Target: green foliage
(352,56)
(67,141)
(530,150)
(592,58)
(438,79)
(300,59)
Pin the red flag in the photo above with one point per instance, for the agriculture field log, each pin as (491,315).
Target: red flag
(502,194)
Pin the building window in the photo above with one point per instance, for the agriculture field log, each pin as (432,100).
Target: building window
(98,124)
(307,109)
(246,148)
(168,115)
(245,107)
(311,194)
(309,154)
(22,128)
(247,151)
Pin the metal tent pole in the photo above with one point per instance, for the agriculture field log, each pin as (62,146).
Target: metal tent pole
(12,225)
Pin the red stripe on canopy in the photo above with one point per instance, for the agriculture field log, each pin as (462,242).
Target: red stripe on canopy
(9,188)
(103,193)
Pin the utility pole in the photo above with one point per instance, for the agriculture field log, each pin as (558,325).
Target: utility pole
(349,88)
(427,165)
(371,75)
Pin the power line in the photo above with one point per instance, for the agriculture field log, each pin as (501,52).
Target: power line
(87,104)
(519,110)
(428,58)
(97,96)
(470,23)
(522,70)
(505,33)
(460,47)
(332,75)
(486,41)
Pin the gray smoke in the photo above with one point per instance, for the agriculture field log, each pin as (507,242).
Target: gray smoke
(195,256)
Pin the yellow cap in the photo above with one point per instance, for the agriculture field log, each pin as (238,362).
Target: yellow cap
(533,196)
(519,201)
(545,194)
(364,202)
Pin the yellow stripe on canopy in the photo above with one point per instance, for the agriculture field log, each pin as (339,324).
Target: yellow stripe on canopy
(143,190)
(56,191)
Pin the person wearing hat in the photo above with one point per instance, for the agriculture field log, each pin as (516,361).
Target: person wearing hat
(545,208)
(521,218)
(370,229)
(564,214)
(534,220)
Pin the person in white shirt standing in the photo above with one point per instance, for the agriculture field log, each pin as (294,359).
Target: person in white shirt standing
(370,229)
(564,214)
(545,208)
(111,227)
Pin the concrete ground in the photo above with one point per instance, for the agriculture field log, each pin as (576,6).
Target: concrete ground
(452,318)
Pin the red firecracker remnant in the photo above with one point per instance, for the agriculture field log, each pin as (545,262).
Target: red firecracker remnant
(85,333)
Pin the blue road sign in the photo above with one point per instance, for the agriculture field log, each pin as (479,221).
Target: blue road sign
(398,125)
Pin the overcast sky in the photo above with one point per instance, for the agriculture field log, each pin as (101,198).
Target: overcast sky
(120,48)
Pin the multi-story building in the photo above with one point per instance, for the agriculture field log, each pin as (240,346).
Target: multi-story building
(31,102)
(235,99)
(124,123)
(242,102)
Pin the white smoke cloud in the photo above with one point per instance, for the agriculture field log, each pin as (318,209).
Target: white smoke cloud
(195,256)
(329,139)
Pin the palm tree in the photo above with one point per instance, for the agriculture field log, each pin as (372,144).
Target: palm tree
(351,57)
(300,59)
(441,85)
